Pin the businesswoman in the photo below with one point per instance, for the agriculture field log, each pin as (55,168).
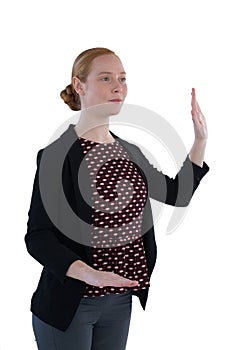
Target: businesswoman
(83,300)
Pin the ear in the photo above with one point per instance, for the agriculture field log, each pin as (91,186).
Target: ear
(78,86)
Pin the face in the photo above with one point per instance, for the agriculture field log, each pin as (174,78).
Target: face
(105,84)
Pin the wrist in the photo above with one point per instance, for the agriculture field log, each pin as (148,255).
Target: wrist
(198,141)
(78,269)
(82,269)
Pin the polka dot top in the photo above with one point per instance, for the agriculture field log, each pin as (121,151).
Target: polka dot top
(118,197)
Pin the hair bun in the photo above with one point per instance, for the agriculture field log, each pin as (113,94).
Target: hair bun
(71,98)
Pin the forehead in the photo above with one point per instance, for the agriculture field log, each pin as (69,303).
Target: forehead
(106,63)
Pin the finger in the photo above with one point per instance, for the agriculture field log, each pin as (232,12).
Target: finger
(119,281)
(122,279)
(195,101)
(196,110)
(121,284)
(197,118)
(199,110)
(193,98)
(194,104)
(200,116)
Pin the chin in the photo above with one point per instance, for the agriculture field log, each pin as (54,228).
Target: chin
(114,108)
(106,109)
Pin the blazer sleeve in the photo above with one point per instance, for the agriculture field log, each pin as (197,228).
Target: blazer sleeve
(176,191)
(41,238)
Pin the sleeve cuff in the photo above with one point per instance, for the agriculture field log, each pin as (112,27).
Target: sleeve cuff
(205,168)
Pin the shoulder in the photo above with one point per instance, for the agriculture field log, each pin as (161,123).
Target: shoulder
(61,141)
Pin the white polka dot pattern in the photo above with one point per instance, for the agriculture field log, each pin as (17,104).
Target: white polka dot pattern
(119,196)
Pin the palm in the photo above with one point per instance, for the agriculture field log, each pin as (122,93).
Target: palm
(200,127)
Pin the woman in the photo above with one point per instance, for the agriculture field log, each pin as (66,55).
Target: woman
(84,297)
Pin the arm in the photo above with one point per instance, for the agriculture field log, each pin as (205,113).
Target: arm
(41,237)
(178,191)
(196,154)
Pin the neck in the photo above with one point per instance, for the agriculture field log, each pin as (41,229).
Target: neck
(93,128)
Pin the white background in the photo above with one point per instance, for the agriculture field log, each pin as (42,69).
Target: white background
(167,47)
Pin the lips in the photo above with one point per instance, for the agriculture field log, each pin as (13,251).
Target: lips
(116,100)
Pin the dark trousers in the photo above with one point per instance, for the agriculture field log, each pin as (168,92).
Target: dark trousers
(100,323)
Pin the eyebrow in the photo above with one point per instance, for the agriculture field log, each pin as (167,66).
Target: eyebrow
(110,73)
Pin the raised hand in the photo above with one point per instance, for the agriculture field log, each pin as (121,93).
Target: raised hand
(199,121)
(197,151)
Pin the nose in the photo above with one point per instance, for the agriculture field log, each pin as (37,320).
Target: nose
(117,87)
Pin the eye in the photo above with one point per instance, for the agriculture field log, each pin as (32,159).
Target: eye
(105,79)
(123,80)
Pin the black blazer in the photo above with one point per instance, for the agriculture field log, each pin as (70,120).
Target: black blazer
(57,296)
